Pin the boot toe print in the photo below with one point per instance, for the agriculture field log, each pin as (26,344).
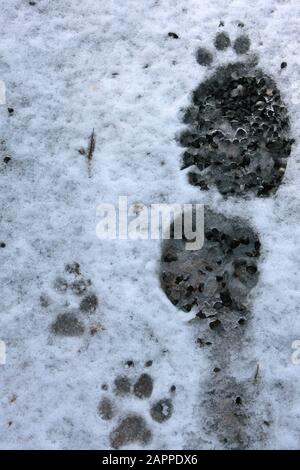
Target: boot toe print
(238,135)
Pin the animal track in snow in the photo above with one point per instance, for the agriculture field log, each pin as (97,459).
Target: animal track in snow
(238,134)
(133,427)
(216,279)
(70,321)
(238,141)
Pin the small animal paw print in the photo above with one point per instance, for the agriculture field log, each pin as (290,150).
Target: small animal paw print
(133,427)
(71,322)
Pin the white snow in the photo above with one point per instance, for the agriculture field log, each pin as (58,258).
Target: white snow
(57,59)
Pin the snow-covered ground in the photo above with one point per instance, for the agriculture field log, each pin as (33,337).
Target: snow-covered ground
(70,66)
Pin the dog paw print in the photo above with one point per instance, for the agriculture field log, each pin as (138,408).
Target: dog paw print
(133,427)
(74,288)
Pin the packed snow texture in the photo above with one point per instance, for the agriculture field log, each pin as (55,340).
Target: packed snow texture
(71,67)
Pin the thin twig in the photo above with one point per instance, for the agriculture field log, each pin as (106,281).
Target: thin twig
(257,374)
(90,151)
(91,146)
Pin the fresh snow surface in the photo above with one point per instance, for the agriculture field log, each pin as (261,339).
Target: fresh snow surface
(59,61)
